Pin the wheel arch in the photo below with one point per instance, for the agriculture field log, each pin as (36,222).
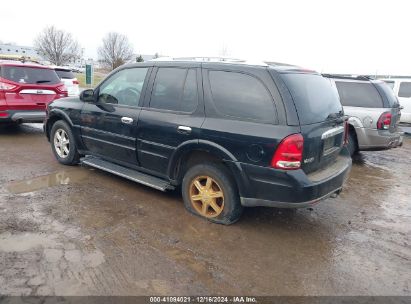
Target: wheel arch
(196,151)
(53,116)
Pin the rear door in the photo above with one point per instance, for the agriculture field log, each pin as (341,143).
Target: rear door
(108,127)
(172,116)
(321,118)
(35,87)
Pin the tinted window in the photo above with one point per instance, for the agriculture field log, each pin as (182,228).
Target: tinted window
(359,94)
(405,89)
(124,87)
(66,74)
(241,96)
(315,97)
(30,75)
(388,93)
(175,89)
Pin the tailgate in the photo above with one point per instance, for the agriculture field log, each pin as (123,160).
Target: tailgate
(322,144)
(30,99)
(321,118)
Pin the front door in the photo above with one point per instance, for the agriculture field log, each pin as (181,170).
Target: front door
(108,127)
(172,116)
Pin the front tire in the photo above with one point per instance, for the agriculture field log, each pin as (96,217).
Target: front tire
(63,143)
(209,191)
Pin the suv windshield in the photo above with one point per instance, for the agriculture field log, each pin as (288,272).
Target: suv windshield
(65,74)
(315,97)
(29,75)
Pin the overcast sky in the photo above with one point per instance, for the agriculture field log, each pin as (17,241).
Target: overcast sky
(331,36)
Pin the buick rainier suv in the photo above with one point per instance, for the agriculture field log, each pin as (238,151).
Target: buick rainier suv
(229,134)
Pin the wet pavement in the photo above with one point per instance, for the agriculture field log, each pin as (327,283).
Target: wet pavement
(79,231)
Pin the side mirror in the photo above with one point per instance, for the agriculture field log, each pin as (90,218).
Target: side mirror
(87,95)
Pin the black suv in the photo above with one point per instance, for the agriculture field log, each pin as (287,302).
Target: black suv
(230,134)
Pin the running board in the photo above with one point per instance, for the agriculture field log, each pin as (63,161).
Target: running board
(130,174)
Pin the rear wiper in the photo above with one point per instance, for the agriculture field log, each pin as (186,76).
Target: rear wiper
(42,81)
(335,115)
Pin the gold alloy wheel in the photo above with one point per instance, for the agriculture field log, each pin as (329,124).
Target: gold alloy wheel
(206,196)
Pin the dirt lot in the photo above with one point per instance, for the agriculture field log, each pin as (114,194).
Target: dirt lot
(79,231)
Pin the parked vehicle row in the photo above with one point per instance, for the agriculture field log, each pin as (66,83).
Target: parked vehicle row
(27,88)
(230,135)
(373,110)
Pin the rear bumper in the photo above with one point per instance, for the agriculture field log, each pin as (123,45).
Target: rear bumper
(373,139)
(293,189)
(24,116)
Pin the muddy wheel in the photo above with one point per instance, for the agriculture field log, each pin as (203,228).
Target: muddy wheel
(352,144)
(63,143)
(209,191)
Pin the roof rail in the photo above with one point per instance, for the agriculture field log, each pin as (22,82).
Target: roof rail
(211,59)
(22,59)
(342,76)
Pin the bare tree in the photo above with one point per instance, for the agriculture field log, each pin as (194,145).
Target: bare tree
(115,51)
(57,46)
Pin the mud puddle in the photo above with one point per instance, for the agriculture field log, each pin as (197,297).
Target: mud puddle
(64,177)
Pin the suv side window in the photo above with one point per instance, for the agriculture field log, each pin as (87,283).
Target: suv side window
(359,94)
(241,96)
(175,89)
(405,89)
(124,87)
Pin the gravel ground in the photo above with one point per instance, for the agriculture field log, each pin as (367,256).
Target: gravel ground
(80,231)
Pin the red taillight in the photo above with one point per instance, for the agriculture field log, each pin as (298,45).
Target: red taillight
(4,86)
(75,81)
(289,153)
(384,121)
(62,89)
(4,114)
(346,131)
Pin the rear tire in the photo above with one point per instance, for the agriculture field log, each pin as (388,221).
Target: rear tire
(352,144)
(63,144)
(209,191)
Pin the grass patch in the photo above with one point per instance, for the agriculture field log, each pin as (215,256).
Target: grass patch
(81,77)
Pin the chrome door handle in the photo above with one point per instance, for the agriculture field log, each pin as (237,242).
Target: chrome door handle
(126,120)
(184,129)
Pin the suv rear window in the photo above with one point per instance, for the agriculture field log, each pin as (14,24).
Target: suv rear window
(315,97)
(405,89)
(66,74)
(388,93)
(359,94)
(29,75)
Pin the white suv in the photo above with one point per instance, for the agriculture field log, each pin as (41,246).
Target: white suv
(69,79)
(402,89)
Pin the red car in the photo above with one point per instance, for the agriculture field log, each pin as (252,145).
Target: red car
(25,91)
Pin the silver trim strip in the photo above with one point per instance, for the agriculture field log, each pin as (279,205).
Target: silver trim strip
(332,132)
(38,92)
